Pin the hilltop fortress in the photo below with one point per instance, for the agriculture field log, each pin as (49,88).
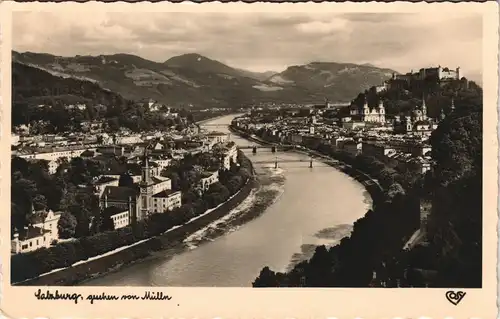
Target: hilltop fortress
(438,73)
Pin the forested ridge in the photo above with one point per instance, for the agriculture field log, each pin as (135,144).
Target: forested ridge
(203,82)
(41,100)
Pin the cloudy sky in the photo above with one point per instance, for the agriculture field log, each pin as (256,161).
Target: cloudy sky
(262,41)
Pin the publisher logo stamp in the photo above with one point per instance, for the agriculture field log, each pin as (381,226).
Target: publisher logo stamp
(455,297)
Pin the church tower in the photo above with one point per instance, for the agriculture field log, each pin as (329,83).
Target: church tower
(366,111)
(146,187)
(424,109)
(452,104)
(381,111)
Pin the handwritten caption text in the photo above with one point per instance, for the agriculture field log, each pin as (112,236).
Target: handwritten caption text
(76,297)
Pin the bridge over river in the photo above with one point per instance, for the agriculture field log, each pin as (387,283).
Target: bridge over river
(312,207)
(272,147)
(310,161)
(213,126)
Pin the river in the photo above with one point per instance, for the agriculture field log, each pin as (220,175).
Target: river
(295,209)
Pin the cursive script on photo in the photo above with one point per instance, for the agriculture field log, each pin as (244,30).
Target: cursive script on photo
(49,295)
(75,297)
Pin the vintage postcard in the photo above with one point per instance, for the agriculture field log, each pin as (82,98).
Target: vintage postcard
(309,160)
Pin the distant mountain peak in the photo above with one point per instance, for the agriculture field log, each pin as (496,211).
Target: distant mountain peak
(187,57)
(192,54)
(178,80)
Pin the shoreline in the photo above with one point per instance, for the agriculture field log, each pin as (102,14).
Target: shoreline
(172,241)
(214,118)
(373,190)
(142,250)
(259,199)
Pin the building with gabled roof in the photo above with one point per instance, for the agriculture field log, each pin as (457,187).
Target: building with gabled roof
(41,232)
(29,239)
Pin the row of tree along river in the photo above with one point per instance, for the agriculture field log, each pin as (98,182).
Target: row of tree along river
(294,209)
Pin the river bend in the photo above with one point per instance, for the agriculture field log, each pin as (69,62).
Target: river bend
(298,208)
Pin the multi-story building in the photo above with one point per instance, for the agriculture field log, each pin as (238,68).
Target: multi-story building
(209,178)
(217,137)
(53,165)
(162,162)
(360,117)
(55,154)
(153,195)
(30,239)
(112,150)
(47,220)
(349,124)
(230,155)
(166,200)
(135,178)
(132,139)
(120,219)
(104,181)
(125,198)
(41,232)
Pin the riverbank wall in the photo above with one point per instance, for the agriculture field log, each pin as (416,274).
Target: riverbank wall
(74,275)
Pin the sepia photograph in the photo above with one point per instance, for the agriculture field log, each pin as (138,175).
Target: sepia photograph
(250,149)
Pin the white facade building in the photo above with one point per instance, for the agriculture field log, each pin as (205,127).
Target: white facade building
(42,232)
(208,179)
(121,219)
(166,200)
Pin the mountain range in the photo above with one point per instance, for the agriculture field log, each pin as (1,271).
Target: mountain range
(200,81)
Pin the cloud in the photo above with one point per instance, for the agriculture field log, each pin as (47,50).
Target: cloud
(261,41)
(322,27)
